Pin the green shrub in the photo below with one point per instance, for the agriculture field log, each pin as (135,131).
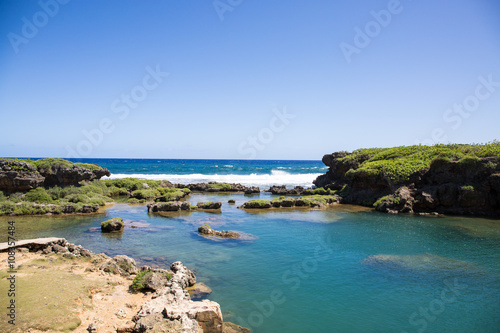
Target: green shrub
(39,195)
(16,197)
(47,165)
(3,197)
(467,188)
(145,194)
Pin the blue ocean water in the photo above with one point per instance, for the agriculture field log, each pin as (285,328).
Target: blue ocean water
(311,271)
(262,173)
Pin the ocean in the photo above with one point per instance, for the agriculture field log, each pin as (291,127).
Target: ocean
(343,269)
(262,173)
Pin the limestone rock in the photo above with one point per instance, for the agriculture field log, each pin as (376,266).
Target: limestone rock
(120,264)
(208,231)
(114,225)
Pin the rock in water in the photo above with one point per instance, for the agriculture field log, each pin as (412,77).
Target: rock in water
(208,231)
(114,225)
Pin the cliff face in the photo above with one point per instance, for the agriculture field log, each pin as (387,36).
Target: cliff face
(21,176)
(469,186)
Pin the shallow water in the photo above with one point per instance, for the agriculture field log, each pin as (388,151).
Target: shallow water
(306,271)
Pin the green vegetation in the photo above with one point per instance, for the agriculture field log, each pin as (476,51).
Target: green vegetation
(206,226)
(399,163)
(47,301)
(388,199)
(231,201)
(316,200)
(221,186)
(257,204)
(139,281)
(468,188)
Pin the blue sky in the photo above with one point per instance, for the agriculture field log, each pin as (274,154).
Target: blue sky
(245,79)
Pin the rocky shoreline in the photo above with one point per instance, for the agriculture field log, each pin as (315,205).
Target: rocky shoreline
(167,307)
(466,186)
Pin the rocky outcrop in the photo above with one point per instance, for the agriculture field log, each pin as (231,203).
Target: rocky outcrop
(114,225)
(48,246)
(120,264)
(208,231)
(470,186)
(209,205)
(313,201)
(173,309)
(173,206)
(282,190)
(220,187)
(63,176)
(21,176)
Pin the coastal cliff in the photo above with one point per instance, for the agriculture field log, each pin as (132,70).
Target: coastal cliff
(23,175)
(445,179)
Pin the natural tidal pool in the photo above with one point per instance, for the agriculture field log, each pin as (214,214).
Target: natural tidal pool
(344,269)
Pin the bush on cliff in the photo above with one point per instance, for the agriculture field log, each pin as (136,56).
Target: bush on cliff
(399,163)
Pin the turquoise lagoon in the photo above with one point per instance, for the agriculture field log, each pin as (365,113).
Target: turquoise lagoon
(314,271)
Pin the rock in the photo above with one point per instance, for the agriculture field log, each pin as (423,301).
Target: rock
(206,313)
(18,176)
(209,205)
(199,291)
(155,281)
(207,230)
(173,206)
(182,275)
(445,187)
(231,201)
(92,328)
(229,327)
(120,264)
(114,225)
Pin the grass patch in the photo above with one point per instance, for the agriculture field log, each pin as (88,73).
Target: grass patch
(47,299)
(221,186)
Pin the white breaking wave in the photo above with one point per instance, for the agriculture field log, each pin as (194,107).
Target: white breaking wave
(277,177)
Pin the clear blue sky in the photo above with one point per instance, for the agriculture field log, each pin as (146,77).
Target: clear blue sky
(68,68)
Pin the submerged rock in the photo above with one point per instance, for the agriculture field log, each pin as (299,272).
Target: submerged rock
(208,231)
(420,263)
(199,291)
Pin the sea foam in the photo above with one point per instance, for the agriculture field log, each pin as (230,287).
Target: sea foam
(277,177)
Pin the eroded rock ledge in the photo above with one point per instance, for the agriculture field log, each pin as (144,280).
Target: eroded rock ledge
(169,310)
(18,175)
(467,186)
